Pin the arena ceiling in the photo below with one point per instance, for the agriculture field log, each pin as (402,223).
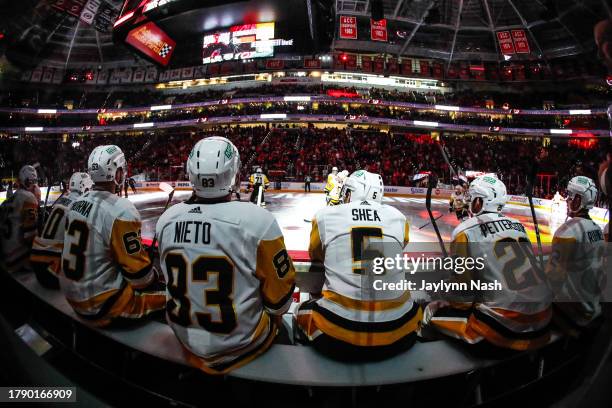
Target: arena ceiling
(465,29)
(441,29)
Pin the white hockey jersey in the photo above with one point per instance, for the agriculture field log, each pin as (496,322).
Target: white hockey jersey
(513,316)
(228,274)
(576,269)
(20,215)
(48,246)
(103,259)
(351,309)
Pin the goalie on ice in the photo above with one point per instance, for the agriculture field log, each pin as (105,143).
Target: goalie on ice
(258,183)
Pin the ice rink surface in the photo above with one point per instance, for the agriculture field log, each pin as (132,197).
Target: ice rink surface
(293,210)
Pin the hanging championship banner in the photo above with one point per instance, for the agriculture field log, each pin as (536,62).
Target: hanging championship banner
(348,28)
(505,42)
(275,64)
(378,30)
(312,63)
(521,45)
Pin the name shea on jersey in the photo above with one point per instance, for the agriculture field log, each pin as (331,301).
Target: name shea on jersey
(192,232)
(367,214)
(495,227)
(82,207)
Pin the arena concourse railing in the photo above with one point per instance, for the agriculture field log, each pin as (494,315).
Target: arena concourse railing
(297,118)
(308,98)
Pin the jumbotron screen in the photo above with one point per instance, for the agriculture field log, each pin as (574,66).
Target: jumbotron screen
(241,42)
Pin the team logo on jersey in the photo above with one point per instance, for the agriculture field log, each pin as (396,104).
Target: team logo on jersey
(196,210)
(582,180)
(490,180)
(111,150)
(358,173)
(228,152)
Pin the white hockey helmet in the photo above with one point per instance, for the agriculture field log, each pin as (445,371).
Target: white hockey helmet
(28,176)
(213,166)
(258,170)
(80,182)
(104,162)
(343,175)
(585,188)
(334,170)
(363,185)
(491,191)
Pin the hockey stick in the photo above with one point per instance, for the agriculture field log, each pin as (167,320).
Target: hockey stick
(529,192)
(43,220)
(259,195)
(431,182)
(166,188)
(429,222)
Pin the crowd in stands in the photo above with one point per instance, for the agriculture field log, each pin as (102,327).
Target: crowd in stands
(350,111)
(124,96)
(292,152)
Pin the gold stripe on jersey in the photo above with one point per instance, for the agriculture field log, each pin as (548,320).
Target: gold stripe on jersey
(48,253)
(93,303)
(493,336)
(459,245)
(275,270)
(143,303)
(473,329)
(367,305)
(129,252)
(456,327)
(129,304)
(29,214)
(538,319)
(243,355)
(329,186)
(559,262)
(314,321)
(315,248)
(406,233)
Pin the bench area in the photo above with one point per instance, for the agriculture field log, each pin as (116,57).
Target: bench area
(302,366)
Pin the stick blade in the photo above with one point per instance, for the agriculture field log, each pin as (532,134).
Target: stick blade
(166,188)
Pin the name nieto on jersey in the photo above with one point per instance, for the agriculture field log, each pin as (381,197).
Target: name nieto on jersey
(439,286)
(192,232)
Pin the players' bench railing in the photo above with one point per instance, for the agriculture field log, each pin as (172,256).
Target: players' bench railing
(291,364)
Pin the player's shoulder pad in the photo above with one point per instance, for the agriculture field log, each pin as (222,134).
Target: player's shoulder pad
(391,210)
(171,213)
(464,226)
(125,210)
(573,228)
(28,197)
(253,219)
